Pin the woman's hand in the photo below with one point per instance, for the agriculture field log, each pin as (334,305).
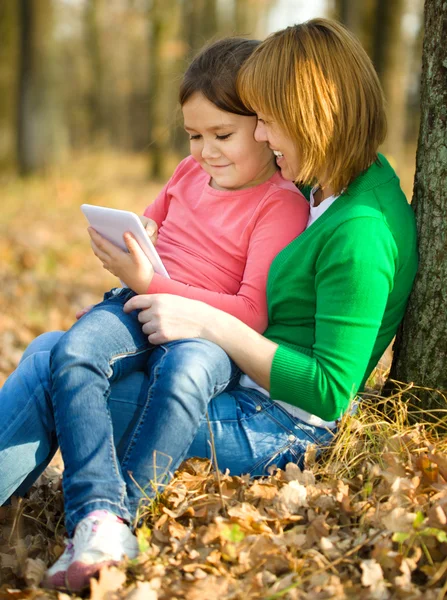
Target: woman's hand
(166,317)
(133,267)
(151,228)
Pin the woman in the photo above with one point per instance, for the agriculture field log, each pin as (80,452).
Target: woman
(335,295)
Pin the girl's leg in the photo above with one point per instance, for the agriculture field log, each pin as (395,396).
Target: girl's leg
(183,377)
(103,345)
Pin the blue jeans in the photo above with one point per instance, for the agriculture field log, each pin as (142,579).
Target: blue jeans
(251,432)
(103,346)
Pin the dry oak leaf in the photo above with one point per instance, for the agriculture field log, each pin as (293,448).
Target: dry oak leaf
(34,571)
(142,591)
(372,573)
(265,491)
(291,497)
(372,577)
(399,520)
(111,580)
(317,529)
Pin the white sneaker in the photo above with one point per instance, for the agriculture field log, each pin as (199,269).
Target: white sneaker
(55,576)
(100,539)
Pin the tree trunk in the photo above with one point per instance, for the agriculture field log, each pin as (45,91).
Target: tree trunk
(166,52)
(391,56)
(350,14)
(97,109)
(9,55)
(420,351)
(359,17)
(41,138)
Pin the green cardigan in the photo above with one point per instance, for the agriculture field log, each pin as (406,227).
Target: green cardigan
(337,294)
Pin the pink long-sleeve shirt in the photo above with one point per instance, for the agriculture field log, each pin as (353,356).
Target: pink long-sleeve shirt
(217,245)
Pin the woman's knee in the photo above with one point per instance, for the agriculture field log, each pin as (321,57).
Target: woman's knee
(80,343)
(42,343)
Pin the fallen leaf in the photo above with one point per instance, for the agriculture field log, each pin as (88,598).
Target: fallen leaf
(111,580)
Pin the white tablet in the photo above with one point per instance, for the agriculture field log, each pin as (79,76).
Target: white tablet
(113,224)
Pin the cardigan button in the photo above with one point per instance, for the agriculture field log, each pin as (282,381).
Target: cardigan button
(292,438)
(259,407)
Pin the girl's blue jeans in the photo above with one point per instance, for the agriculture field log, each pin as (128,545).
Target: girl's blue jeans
(104,346)
(251,433)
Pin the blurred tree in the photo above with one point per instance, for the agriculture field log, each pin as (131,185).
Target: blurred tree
(166,48)
(390,56)
(96,105)
(420,349)
(41,138)
(351,14)
(382,28)
(9,45)
(359,17)
(200,22)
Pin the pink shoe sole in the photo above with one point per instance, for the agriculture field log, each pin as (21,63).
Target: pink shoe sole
(56,581)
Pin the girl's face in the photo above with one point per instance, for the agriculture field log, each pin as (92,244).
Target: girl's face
(224,145)
(283,147)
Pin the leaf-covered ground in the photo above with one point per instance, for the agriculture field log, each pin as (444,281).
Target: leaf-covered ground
(368,519)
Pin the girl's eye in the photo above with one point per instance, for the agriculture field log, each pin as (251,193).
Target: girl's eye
(223,137)
(194,137)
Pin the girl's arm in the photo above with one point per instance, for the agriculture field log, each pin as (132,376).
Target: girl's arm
(134,268)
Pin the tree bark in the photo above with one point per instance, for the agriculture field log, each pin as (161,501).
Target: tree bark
(391,58)
(9,55)
(166,53)
(96,103)
(41,139)
(420,350)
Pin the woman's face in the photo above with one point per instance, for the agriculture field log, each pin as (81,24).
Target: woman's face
(281,144)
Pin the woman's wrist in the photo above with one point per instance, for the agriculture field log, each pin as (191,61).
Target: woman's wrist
(217,326)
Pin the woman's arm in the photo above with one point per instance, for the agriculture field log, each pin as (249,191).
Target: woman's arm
(353,282)
(166,318)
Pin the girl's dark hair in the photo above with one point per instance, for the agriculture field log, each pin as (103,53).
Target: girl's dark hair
(213,72)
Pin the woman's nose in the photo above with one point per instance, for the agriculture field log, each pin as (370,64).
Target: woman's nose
(261,132)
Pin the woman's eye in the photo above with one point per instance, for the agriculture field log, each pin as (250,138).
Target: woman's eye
(223,137)
(194,137)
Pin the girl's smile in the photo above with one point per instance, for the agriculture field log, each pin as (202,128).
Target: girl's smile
(223,144)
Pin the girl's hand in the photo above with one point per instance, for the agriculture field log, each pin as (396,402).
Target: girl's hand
(166,317)
(133,267)
(151,228)
(84,311)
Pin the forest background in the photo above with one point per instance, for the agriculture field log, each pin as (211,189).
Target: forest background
(88,113)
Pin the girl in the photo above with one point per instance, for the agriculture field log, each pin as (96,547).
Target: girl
(222,217)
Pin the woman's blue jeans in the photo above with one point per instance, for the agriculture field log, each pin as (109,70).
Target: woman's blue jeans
(251,432)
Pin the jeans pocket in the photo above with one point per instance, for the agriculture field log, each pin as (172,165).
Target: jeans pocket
(122,295)
(289,451)
(293,438)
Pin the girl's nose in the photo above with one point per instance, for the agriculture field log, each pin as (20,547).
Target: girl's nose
(209,150)
(261,132)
